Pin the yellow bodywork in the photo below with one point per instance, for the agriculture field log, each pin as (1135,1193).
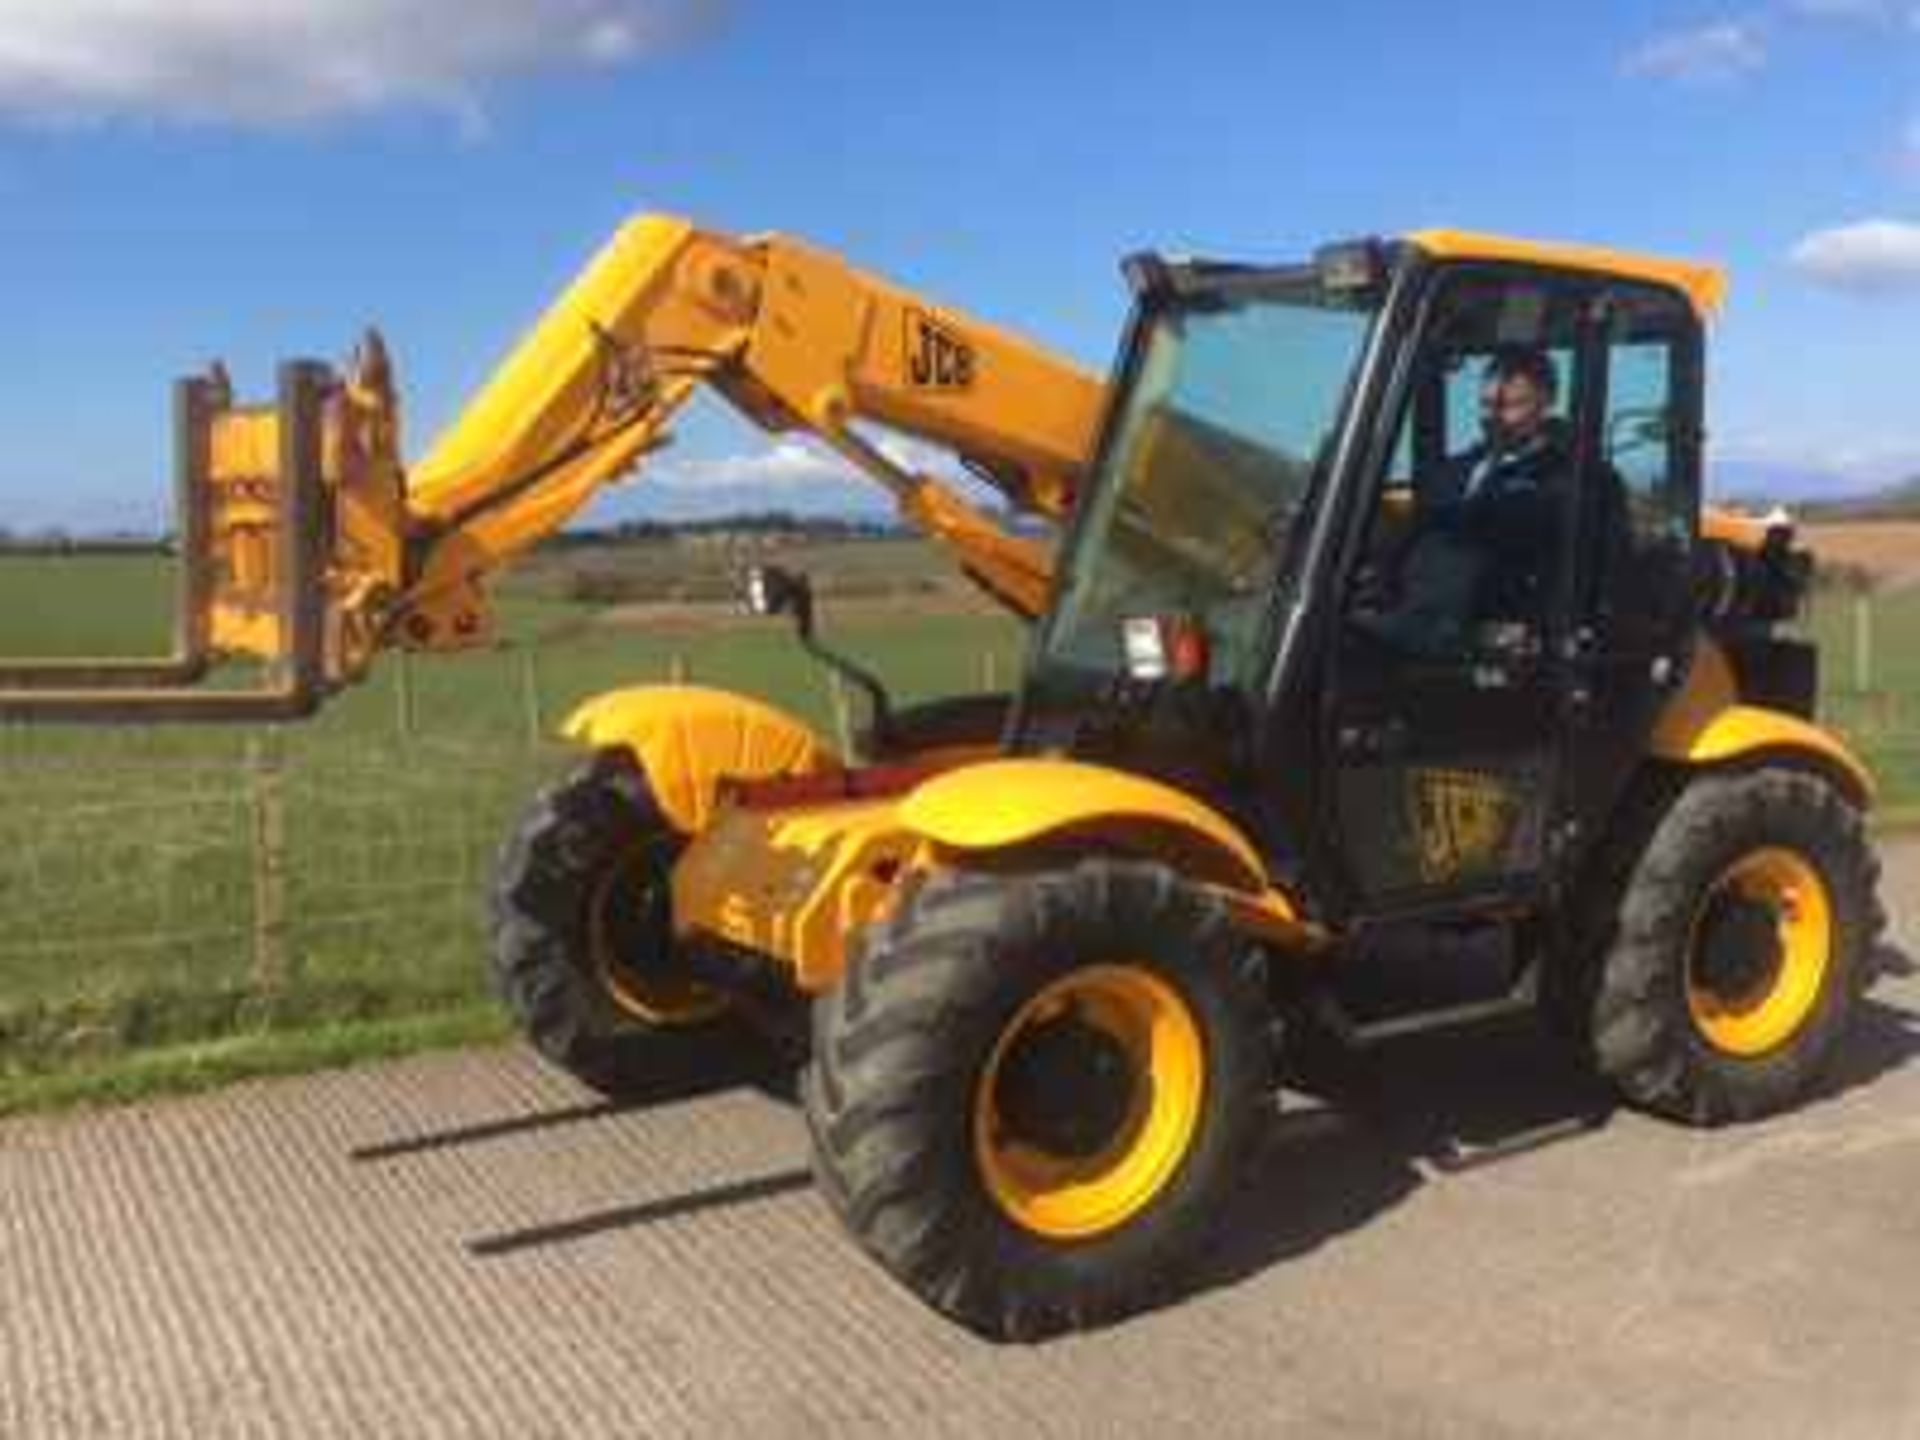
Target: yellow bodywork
(794,883)
(1705,285)
(1732,528)
(689,740)
(1004,804)
(243,471)
(1705,724)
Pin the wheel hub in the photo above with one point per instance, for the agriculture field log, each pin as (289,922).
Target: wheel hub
(1066,1087)
(630,937)
(1740,947)
(1089,1101)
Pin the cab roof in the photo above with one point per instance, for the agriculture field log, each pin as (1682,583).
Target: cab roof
(1705,285)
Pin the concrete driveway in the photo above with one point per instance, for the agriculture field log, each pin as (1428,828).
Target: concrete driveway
(1469,1244)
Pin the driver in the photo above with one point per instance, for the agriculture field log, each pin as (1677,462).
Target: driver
(1485,527)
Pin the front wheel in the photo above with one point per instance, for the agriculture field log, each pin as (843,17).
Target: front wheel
(583,946)
(1031,1094)
(1744,937)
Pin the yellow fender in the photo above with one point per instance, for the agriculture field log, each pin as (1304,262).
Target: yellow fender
(1004,804)
(688,739)
(1706,725)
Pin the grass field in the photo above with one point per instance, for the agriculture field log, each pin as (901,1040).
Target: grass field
(186,904)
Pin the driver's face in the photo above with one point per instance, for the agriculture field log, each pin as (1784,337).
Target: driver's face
(1511,409)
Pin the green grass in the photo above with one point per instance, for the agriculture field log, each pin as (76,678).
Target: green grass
(114,606)
(129,858)
(188,1068)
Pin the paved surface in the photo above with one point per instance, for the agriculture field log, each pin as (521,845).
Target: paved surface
(465,1245)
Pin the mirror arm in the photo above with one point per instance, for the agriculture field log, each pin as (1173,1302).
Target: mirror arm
(791,594)
(856,675)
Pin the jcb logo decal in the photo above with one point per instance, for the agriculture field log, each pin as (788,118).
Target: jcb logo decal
(937,358)
(1461,821)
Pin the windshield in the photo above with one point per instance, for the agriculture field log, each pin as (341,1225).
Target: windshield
(1233,404)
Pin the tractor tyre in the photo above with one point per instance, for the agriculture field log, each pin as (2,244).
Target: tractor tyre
(583,943)
(1744,935)
(1032,1094)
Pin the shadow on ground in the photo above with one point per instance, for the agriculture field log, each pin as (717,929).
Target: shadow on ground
(778,1083)
(1386,1122)
(1356,1135)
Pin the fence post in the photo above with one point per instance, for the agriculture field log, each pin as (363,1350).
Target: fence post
(842,713)
(989,672)
(267,794)
(403,693)
(678,671)
(1863,643)
(530,696)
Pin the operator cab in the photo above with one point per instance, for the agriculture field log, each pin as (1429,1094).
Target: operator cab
(1317,579)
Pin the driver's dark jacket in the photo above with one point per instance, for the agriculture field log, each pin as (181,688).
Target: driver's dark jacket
(1507,504)
(1506,497)
(1486,533)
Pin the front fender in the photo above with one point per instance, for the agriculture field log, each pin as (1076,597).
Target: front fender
(1004,804)
(688,739)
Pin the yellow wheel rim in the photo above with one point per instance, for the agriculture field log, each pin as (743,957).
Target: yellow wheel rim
(1089,1101)
(1760,952)
(643,988)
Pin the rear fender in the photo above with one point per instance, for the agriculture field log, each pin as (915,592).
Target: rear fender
(1705,724)
(688,739)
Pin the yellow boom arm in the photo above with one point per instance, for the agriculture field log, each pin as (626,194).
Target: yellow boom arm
(797,340)
(310,545)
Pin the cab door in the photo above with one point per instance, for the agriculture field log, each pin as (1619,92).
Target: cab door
(1634,627)
(1444,731)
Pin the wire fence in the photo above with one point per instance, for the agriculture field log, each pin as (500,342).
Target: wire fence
(155,894)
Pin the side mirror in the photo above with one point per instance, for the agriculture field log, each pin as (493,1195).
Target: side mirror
(773,591)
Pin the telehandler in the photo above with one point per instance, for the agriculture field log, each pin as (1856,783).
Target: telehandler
(1040,949)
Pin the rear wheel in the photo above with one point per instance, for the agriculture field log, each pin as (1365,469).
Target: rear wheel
(583,950)
(1744,937)
(1031,1094)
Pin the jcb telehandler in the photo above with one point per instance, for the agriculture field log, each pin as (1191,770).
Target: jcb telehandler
(1041,947)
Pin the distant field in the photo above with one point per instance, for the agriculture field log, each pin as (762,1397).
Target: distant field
(708,570)
(1889,550)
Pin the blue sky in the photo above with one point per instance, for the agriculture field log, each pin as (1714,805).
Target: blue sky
(254,178)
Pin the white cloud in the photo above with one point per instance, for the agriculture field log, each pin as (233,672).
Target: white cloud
(1875,255)
(792,465)
(787,464)
(1723,52)
(277,62)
